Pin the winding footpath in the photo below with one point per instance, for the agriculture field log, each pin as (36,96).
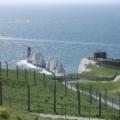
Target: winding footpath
(110,104)
(52,116)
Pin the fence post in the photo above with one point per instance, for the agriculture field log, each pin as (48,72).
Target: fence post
(65,86)
(100,107)
(71,85)
(44,81)
(25,75)
(10,103)
(71,77)
(89,113)
(35,78)
(6,68)
(112,102)
(78,97)
(96,94)
(17,73)
(119,103)
(105,99)
(0,69)
(54,94)
(90,93)
(1,93)
(65,110)
(28,87)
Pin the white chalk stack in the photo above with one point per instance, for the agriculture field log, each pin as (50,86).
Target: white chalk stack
(37,61)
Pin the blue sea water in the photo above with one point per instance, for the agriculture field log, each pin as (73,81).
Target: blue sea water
(67,32)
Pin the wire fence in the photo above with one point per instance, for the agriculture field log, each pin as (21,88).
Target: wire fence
(29,91)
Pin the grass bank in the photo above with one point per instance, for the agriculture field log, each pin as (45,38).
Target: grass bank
(42,95)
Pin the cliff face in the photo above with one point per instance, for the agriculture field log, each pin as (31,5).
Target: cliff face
(84,63)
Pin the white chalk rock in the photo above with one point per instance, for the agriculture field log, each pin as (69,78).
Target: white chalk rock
(55,66)
(84,63)
(52,64)
(60,69)
(38,59)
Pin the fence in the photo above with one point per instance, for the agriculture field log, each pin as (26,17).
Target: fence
(29,91)
(71,77)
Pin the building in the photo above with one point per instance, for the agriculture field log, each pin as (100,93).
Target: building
(100,54)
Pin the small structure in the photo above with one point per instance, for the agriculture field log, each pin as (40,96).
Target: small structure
(100,54)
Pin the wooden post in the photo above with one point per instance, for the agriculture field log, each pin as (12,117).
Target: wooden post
(90,93)
(78,97)
(6,68)
(112,102)
(119,103)
(28,87)
(105,99)
(65,86)
(25,75)
(71,85)
(0,69)
(100,106)
(54,94)
(89,113)
(44,81)
(96,94)
(17,73)
(34,78)
(71,77)
(10,103)
(65,110)
(1,94)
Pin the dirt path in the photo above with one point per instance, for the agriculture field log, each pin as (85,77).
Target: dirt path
(63,117)
(110,104)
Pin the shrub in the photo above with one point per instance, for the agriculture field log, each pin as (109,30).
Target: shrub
(4,114)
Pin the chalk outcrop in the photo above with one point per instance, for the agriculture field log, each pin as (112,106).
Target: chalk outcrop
(55,66)
(84,63)
(38,60)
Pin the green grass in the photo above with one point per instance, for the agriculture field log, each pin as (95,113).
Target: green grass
(113,88)
(101,71)
(42,97)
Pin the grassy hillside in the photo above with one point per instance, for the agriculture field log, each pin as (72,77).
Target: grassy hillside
(42,96)
(15,95)
(101,71)
(113,88)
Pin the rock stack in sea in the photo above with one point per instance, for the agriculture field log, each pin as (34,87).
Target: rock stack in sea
(53,65)
(38,60)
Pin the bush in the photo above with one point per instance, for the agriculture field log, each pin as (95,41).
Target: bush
(4,113)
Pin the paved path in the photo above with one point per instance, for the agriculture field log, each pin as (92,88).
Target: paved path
(110,104)
(117,78)
(63,117)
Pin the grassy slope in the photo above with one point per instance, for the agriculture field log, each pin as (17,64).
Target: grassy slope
(112,87)
(15,95)
(101,71)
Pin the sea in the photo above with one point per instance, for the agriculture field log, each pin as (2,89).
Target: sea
(66,32)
